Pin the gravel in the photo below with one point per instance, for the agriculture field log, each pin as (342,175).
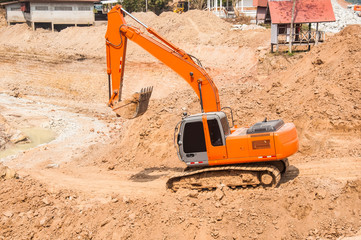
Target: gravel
(343,16)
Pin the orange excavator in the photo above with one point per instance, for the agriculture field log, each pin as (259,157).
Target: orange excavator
(214,152)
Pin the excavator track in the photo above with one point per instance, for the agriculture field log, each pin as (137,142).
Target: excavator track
(245,175)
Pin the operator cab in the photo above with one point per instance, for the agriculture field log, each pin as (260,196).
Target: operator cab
(194,133)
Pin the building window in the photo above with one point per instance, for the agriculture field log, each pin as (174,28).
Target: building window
(84,8)
(63,8)
(282,28)
(41,8)
(15,9)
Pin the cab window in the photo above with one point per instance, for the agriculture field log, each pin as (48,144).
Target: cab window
(193,139)
(214,132)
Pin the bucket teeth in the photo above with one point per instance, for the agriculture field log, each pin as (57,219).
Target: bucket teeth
(143,101)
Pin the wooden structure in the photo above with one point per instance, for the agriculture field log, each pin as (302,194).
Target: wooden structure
(308,14)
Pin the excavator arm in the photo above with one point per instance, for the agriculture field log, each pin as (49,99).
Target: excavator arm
(118,32)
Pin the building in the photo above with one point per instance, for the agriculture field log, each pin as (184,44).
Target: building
(14,14)
(307,15)
(225,10)
(52,14)
(246,7)
(261,11)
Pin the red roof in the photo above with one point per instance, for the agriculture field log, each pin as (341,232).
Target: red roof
(306,11)
(260,3)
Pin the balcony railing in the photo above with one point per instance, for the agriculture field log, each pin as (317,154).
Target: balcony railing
(302,37)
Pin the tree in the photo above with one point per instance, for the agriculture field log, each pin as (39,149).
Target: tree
(198,4)
(133,5)
(236,12)
(156,6)
(292,22)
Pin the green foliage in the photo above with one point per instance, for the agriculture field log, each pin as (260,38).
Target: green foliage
(156,6)
(134,5)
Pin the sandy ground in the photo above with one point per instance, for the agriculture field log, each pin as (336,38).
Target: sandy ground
(92,175)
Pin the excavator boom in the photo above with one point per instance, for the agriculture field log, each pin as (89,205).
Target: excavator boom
(117,35)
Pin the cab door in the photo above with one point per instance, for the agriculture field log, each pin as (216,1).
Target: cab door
(192,144)
(215,139)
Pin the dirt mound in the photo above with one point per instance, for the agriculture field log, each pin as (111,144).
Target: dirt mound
(88,41)
(301,209)
(187,30)
(2,17)
(192,27)
(323,88)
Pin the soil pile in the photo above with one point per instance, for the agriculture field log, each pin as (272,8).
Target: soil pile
(300,210)
(188,30)
(322,90)
(192,27)
(2,17)
(70,41)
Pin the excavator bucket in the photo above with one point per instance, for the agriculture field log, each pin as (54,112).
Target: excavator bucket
(143,101)
(136,106)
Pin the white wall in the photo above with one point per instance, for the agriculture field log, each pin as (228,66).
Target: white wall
(246,7)
(13,13)
(61,13)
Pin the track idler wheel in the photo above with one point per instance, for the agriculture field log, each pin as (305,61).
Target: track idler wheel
(266,179)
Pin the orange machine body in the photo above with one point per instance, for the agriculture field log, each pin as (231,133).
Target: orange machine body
(260,147)
(265,141)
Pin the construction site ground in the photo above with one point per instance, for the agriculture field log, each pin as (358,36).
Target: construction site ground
(87,174)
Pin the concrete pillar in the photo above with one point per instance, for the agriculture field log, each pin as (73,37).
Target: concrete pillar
(52,26)
(33,26)
(216,5)
(242,6)
(209,5)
